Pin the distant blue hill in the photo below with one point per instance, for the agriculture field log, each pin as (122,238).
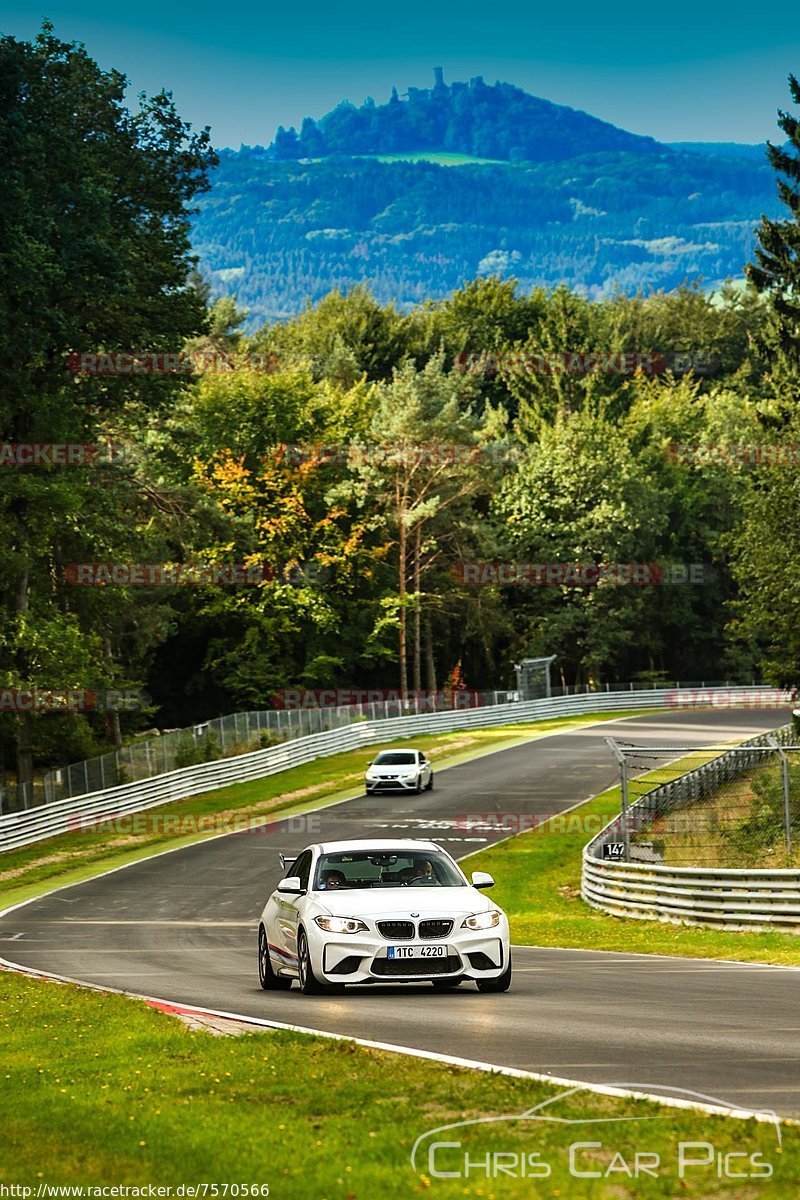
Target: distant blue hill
(439,186)
(497,121)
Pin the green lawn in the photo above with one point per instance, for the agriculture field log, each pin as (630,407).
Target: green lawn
(102,1090)
(538,884)
(71,857)
(442,158)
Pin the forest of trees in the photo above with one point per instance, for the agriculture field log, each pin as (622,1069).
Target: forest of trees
(280,233)
(361,453)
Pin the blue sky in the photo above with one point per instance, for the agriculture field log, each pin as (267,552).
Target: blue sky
(685,71)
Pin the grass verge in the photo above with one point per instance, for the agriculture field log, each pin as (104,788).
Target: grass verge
(102,1090)
(72,857)
(741,825)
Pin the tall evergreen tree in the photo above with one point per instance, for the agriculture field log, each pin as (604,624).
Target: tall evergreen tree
(777,267)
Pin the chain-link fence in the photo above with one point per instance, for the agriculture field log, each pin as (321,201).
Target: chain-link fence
(239,733)
(654,682)
(709,807)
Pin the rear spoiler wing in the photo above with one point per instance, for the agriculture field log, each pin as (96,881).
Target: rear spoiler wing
(287,860)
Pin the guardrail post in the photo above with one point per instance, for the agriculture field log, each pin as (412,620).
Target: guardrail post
(623,779)
(787,808)
(787,799)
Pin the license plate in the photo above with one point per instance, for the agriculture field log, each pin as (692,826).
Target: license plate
(417,952)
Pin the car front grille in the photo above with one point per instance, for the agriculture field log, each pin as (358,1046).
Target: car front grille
(435,929)
(398,930)
(396,967)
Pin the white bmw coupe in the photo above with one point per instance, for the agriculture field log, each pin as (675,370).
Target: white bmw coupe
(381,912)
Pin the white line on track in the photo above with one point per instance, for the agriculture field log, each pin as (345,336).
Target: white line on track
(251,924)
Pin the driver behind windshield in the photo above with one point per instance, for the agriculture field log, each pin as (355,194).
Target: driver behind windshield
(423,872)
(387,870)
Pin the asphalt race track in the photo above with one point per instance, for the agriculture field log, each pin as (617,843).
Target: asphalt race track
(182,927)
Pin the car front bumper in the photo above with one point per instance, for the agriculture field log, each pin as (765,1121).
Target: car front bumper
(391,785)
(363,958)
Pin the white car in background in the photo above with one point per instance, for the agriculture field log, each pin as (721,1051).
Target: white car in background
(381,911)
(399,771)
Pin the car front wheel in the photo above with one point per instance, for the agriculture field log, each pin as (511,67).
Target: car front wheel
(501,984)
(269,981)
(309,984)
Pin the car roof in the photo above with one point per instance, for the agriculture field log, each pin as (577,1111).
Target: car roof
(379,844)
(400,750)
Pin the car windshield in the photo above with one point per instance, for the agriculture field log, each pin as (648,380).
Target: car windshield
(396,758)
(380,869)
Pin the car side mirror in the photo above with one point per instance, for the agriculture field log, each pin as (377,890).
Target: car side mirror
(482,879)
(291,886)
(369,764)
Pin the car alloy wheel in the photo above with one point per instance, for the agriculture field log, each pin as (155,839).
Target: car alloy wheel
(309,984)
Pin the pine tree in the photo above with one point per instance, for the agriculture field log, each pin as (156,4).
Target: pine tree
(777,267)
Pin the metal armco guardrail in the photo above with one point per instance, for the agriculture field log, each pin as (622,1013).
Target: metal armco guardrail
(63,816)
(736,899)
(729,897)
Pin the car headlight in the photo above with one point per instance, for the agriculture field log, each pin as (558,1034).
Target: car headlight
(485,920)
(340,924)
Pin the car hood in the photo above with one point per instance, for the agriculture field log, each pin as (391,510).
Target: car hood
(399,902)
(388,769)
